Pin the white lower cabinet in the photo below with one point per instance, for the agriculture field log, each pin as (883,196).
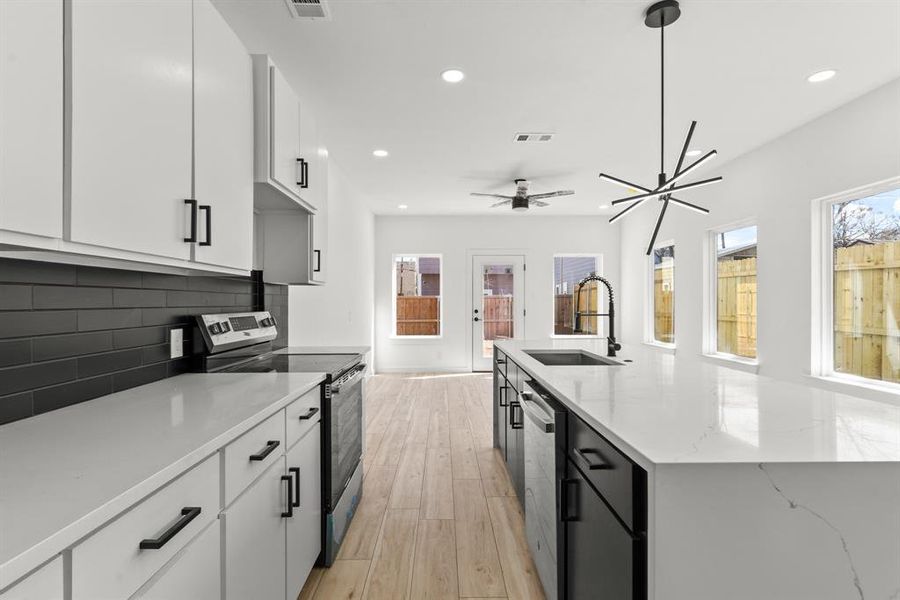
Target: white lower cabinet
(304,529)
(195,574)
(44,584)
(254,539)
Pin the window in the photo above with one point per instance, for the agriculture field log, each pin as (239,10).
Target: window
(663,298)
(735,255)
(567,272)
(864,248)
(417,287)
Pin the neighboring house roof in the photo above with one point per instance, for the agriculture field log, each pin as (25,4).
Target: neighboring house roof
(745,250)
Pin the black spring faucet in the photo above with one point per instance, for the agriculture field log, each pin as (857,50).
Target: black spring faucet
(611,344)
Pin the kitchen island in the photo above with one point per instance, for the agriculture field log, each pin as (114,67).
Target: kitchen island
(755,488)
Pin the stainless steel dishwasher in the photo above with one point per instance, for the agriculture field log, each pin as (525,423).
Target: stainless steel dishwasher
(545,459)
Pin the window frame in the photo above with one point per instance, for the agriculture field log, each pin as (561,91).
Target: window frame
(602,328)
(822,301)
(650,300)
(711,299)
(440,296)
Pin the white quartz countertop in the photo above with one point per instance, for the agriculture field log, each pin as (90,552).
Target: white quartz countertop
(663,409)
(66,472)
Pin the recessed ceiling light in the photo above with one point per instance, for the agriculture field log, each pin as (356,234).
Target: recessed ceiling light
(453,75)
(380,153)
(694,153)
(603,206)
(821,76)
(402,206)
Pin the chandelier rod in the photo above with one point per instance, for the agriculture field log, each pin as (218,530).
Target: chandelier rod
(662,97)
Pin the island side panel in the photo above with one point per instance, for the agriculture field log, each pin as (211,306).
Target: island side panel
(776,531)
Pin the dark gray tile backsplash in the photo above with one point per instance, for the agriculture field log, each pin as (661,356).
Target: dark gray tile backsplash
(71,333)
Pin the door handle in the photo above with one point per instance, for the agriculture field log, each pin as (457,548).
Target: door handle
(475,319)
(592,466)
(208,209)
(193,235)
(295,471)
(262,454)
(290,497)
(188,514)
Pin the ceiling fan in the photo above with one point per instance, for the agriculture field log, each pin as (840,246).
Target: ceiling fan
(522,200)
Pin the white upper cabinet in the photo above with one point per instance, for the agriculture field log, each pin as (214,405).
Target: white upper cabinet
(132,125)
(223,141)
(284,128)
(31,116)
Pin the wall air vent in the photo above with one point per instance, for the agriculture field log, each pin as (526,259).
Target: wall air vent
(309,10)
(533,137)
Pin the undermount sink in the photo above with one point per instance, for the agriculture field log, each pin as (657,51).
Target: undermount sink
(575,358)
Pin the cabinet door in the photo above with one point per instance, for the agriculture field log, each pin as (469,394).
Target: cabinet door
(284,132)
(514,445)
(304,529)
(599,551)
(44,584)
(195,574)
(223,141)
(131,125)
(31,116)
(501,394)
(254,539)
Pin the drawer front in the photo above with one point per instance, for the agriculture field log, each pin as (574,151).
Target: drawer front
(248,457)
(112,564)
(44,584)
(606,468)
(500,362)
(303,414)
(195,574)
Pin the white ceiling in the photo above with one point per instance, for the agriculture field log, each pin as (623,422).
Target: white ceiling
(585,70)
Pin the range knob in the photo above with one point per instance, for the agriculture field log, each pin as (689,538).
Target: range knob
(225,327)
(215,329)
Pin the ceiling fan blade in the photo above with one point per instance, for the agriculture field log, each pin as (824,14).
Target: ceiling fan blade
(658,193)
(555,194)
(492,196)
(501,203)
(537,202)
(625,184)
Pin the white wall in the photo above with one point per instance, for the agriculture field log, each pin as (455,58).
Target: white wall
(855,145)
(339,312)
(456,238)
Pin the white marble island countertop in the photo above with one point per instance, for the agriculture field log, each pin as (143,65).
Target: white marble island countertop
(66,472)
(663,409)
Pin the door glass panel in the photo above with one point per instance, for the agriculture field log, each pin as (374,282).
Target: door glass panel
(496,305)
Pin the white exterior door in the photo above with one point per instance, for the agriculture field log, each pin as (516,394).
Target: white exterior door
(223,141)
(131,125)
(498,304)
(31,116)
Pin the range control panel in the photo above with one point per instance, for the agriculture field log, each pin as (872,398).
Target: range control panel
(233,330)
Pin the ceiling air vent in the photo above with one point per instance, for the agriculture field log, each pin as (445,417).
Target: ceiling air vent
(310,10)
(533,137)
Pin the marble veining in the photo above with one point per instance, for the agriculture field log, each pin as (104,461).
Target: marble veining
(665,409)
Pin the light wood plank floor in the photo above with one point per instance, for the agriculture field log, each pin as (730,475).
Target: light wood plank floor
(439,517)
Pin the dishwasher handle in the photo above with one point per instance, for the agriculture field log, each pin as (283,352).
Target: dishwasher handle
(536,413)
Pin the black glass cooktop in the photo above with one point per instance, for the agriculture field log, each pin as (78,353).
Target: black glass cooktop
(334,364)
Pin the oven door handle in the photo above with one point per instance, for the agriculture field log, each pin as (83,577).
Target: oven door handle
(351,379)
(531,409)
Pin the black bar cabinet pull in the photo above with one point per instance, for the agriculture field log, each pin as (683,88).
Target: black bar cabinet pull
(503,389)
(309,414)
(304,173)
(501,361)
(193,204)
(564,498)
(592,466)
(513,405)
(295,471)
(318,254)
(188,514)
(270,447)
(208,209)
(290,497)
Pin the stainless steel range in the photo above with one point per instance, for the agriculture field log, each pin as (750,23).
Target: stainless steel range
(242,343)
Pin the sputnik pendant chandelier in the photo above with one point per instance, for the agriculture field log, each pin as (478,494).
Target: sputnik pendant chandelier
(659,16)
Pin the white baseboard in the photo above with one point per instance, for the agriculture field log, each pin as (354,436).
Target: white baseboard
(421,369)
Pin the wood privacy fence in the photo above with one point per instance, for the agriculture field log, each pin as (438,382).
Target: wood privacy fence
(498,317)
(418,315)
(565,311)
(736,310)
(867,310)
(663,306)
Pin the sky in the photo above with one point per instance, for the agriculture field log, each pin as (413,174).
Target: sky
(886,202)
